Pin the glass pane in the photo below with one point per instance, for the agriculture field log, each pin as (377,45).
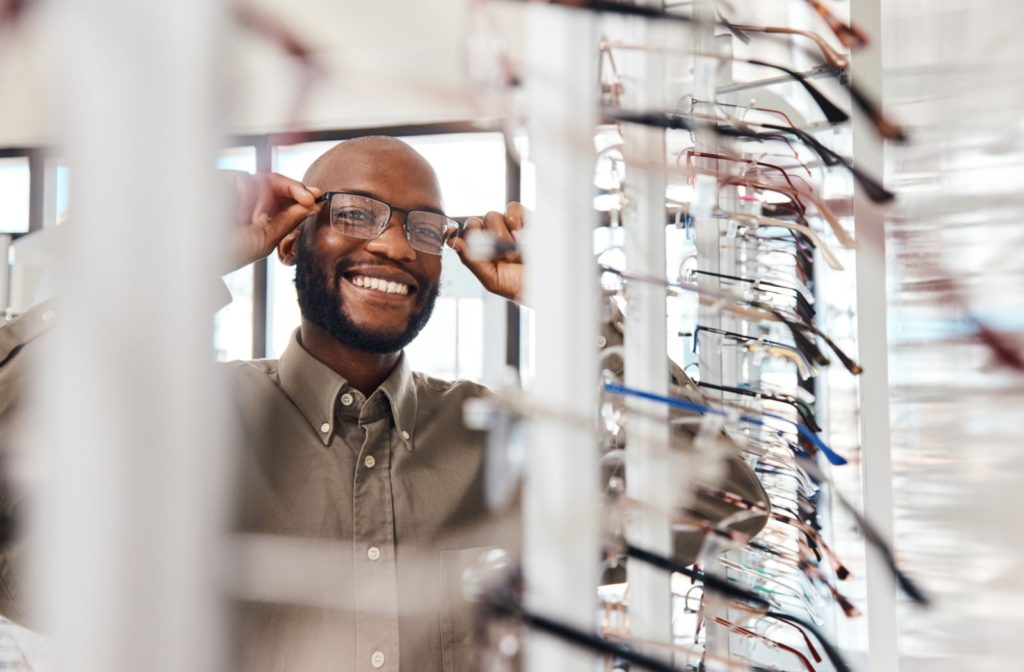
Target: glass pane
(14,194)
(293,160)
(282,305)
(238,158)
(433,351)
(471,167)
(232,325)
(63,194)
(470,345)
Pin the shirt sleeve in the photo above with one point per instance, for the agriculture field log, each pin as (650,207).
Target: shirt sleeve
(18,340)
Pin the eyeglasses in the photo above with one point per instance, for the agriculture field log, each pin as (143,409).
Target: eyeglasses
(805,412)
(692,122)
(849,34)
(360,216)
(831,55)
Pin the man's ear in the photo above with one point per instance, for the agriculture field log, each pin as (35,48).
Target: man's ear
(288,248)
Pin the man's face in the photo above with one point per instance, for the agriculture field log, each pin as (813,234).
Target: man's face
(341,280)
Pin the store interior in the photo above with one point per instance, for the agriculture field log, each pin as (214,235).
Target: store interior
(755,407)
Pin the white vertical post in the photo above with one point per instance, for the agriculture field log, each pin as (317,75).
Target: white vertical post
(5,273)
(648,476)
(873,350)
(561,492)
(128,430)
(716,366)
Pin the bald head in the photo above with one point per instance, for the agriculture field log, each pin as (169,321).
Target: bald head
(374,158)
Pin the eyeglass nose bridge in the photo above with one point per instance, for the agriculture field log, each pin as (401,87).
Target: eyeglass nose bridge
(386,224)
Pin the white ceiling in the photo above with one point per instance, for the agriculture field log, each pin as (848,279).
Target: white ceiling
(394,62)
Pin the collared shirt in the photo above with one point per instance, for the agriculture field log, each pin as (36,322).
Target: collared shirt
(385,491)
(398,478)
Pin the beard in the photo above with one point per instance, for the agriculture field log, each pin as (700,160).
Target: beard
(323,306)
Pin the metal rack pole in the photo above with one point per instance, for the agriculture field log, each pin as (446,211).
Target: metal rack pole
(872,339)
(128,434)
(561,495)
(648,476)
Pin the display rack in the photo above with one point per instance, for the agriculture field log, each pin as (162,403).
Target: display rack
(748,359)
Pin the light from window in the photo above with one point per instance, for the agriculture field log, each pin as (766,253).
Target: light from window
(14,194)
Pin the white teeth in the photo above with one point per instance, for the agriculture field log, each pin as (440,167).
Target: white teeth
(380,285)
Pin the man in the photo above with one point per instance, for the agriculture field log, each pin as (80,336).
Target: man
(352,464)
(342,440)
(346,454)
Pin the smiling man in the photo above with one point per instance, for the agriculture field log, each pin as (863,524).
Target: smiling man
(359,490)
(342,440)
(356,472)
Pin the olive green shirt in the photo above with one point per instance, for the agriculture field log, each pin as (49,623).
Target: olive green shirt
(397,476)
(394,478)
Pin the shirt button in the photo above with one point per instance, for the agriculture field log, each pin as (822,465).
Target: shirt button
(347,399)
(369,461)
(377,659)
(326,427)
(373,553)
(405,435)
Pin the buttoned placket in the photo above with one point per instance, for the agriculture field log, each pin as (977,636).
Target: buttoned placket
(374,560)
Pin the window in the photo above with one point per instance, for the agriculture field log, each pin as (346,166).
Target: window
(14,194)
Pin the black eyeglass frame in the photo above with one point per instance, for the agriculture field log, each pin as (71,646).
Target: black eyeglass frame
(455,232)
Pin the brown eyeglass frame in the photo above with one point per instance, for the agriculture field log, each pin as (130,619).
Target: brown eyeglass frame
(828,52)
(850,35)
(692,153)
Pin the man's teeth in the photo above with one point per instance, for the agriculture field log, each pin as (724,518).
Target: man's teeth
(380,285)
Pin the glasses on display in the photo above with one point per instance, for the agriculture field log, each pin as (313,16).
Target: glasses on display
(805,412)
(831,55)
(804,300)
(849,34)
(748,164)
(693,122)
(365,217)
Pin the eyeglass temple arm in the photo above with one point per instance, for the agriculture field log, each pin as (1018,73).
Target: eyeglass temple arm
(850,35)
(828,52)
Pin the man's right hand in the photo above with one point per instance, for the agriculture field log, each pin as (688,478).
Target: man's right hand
(267,206)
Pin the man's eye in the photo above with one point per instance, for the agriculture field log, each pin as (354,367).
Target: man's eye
(426,233)
(354,216)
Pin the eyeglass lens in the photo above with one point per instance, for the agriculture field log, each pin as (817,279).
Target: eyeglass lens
(364,217)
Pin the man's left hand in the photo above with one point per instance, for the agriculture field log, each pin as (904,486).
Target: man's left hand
(502,275)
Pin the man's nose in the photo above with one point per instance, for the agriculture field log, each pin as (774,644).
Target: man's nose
(392,243)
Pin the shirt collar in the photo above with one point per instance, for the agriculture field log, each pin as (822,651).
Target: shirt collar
(315,388)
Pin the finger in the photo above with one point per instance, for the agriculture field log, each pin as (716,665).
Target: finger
(285,221)
(458,243)
(247,190)
(507,233)
(515,216)
(277,192)
(483,269)
(286,187)
(266,204)
(496,225)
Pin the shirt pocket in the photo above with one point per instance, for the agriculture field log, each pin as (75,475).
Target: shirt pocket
(458,615)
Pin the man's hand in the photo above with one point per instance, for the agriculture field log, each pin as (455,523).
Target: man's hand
(267,207)
(503,275)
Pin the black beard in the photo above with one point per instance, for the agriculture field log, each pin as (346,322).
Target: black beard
(323,307)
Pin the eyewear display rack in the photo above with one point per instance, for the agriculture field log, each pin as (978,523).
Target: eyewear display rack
(563,531)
